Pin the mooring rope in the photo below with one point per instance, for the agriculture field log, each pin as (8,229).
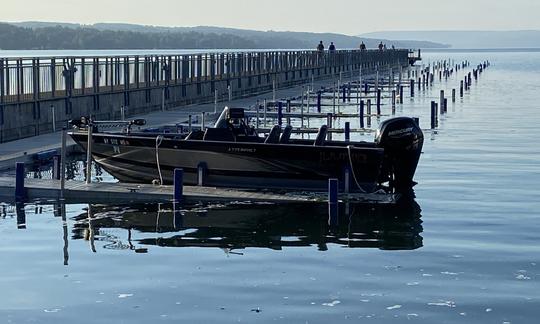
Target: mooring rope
(352,169)
(159,139)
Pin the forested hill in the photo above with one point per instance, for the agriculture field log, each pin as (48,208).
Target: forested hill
(43,35)
(58,37)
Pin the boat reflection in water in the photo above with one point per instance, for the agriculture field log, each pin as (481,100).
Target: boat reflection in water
(239,226)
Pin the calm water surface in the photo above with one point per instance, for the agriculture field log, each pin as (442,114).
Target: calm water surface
(467,250)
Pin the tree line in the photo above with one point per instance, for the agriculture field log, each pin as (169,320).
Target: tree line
(58,37)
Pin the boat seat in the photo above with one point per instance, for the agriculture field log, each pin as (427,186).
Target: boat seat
(321,136)
(219,135)
(273,137)
(284,139)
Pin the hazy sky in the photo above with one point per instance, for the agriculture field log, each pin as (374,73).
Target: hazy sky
(343,16)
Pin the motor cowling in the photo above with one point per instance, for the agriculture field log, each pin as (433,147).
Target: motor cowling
(402,141)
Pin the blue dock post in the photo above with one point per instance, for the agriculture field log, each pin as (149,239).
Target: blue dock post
(412,88)
(401,94)
(347,132)
(349,92)
(378,102)
(280,113)
(20,191)
(178,185)
(333,202)
(319,97)
(361,114)
(56,167)
(366,88)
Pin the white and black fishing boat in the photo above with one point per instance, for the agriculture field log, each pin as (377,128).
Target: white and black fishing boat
(232,154)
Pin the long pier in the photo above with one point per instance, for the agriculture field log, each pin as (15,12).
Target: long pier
(38,95)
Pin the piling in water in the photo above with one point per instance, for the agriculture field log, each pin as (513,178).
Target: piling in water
(56,167)
(361,113)
(378,102)
(20,191)
(178,185)
(280,113)
(433,114)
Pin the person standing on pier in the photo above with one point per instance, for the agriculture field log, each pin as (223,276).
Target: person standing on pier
(332,47)
(320,47)
(381,46)
(362,46)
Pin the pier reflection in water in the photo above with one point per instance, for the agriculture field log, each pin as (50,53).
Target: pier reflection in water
(238,226)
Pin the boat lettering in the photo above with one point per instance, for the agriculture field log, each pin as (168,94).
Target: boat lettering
(241,150)
(400,131)
(344,156)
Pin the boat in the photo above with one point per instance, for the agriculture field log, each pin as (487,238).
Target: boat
(233,154)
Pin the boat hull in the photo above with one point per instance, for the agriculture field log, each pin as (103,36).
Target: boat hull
(235,164)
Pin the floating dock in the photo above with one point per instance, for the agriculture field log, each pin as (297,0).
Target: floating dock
(106,192)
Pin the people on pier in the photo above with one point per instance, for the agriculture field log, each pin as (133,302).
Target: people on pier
(320,47)
(381,46)
(362,46)
(332,47)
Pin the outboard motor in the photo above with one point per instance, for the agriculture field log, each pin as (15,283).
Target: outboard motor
(402,140)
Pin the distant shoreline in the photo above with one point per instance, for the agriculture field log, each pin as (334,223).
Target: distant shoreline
(479,50)
(117,52)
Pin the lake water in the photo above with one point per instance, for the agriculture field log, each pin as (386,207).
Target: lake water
(466,251)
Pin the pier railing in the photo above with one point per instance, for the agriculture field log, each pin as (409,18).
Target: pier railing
(31,79)
(39,93)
